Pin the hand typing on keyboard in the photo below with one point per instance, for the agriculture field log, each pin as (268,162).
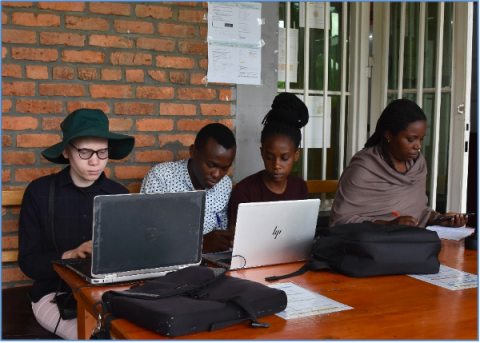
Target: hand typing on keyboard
(84,250)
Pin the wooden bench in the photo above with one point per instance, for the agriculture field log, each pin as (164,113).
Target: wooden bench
(18,321)
(14,198)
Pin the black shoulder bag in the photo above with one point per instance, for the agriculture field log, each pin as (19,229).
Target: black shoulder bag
(66,303)
(370,249)
(193,299)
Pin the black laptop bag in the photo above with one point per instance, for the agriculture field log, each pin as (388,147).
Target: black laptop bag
(194,299)
(370,249)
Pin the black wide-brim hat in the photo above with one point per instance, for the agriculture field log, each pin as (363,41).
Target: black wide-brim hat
(89,123)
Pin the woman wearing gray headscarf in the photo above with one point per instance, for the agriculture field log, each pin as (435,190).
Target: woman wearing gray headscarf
(385,182)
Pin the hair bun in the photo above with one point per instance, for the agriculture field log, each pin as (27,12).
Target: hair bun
(289,109)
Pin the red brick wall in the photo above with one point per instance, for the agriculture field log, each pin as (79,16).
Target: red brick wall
(144,65)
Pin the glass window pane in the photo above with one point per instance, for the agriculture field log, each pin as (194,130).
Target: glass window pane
(410,96)
(316,58)
(297,169)
(295,23)
(316,67)
(282,15)
(315,154)
(317,53)
(443,155)
(334,52)
(334,152)
(410,55)
(447,46)
(345,134)
(316,42)
(427,149)
(395,11)
(315,163)
(431,22)
(347,35)
(390,98)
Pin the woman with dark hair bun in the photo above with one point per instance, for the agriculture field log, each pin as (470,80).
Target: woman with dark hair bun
(280,139)
(385,182)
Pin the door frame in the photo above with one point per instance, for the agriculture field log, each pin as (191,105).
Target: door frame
(460,119)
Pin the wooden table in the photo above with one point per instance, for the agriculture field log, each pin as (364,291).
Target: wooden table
(386,307)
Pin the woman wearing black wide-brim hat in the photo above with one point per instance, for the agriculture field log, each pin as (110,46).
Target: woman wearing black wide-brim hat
(86,146)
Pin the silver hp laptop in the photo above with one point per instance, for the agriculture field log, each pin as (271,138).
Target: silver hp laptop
(139,236)
(270,233)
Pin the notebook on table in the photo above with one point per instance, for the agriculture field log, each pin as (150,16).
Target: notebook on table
(270,233)
(139,236)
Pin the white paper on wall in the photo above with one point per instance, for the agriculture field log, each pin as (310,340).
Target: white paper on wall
(282,55)
(315,134)
(234,42)
(315,14)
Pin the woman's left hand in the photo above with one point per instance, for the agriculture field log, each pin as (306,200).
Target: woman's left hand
(458,221)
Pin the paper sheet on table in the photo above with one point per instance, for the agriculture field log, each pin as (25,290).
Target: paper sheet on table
(453,233)
(449,278)
(303,303)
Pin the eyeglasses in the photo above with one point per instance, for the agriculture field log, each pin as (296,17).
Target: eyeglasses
(85,154)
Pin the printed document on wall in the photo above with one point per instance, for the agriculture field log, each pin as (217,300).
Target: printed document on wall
(292,54)
(316,16)
(234,42)
(316,136)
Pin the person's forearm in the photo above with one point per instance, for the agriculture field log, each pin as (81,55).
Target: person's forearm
(378,221)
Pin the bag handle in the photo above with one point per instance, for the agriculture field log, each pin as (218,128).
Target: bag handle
(245,305)
(51,205)
(311,265)
(51,236)
(180,290)
(102,332)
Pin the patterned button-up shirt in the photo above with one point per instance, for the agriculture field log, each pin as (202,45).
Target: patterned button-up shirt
(174,177)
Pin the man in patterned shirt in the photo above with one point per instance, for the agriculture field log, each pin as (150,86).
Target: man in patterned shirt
(211,156)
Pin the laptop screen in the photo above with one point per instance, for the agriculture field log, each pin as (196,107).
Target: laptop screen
(146,231)
(274,232)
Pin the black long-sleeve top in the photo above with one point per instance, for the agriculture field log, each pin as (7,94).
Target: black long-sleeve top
(73,218)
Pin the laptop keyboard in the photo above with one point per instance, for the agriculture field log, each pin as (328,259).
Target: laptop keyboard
(74,261)
(223,262)
(83,265)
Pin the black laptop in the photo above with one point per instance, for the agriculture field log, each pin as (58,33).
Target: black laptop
(139,236)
